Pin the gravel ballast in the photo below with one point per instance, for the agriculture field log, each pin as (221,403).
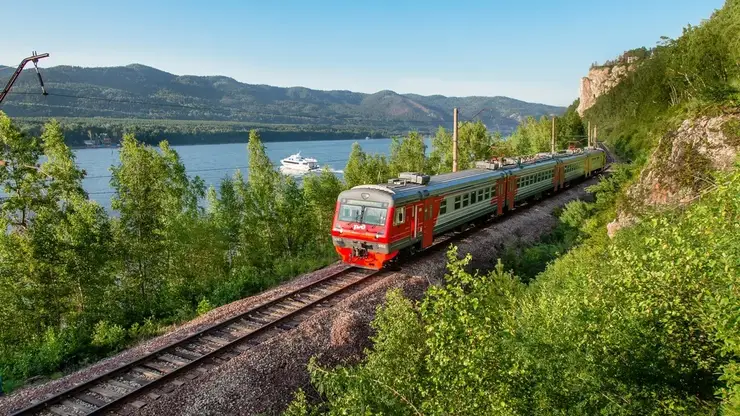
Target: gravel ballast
(262,380)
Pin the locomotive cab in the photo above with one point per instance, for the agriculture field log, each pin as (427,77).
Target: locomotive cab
(361,226)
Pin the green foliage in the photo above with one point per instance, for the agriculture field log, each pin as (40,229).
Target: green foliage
(72,280)
(407,154)
(108,335)
(389,382)
(474,144)
(687,75)
(535,136)
(646,323)
(142,331)
(321,196)
(363,168)
(204,306)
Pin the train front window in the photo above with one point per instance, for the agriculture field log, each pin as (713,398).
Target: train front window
(374,216)
(351,213)
(360,213)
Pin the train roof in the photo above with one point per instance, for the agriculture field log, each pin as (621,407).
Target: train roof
(399,191)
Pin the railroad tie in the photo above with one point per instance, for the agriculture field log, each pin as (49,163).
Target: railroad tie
(57,410)
(90,399)
(188,354)
(134,379)
(77,406)
(147,372)
(158,366)
(105,392)
(174,361)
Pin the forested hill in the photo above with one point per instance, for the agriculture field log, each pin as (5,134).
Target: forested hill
(219,98)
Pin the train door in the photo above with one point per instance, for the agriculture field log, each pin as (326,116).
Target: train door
(410,223)
(428,227)
(513,182)
(418,220)
(500,197)
(555,177)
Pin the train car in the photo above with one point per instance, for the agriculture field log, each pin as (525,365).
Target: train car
(374,223)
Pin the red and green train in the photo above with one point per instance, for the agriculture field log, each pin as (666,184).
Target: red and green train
(374,223)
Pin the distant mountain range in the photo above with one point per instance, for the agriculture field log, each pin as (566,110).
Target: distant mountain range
(142,92)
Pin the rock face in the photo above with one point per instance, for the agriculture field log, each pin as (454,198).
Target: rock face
(681,166)
(598,82)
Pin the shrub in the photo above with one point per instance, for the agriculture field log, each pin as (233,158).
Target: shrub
(107,335)
(203,307)
(139,331)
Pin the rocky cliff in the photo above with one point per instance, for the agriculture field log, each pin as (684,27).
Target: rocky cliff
(681,166)
(600,79)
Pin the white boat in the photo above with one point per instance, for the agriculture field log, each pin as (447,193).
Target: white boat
(298,163)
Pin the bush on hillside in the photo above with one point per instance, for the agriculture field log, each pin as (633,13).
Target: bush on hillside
(647,324)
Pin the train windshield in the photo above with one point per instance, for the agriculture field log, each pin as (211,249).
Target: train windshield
(374,216)
(362,214)
(351,213)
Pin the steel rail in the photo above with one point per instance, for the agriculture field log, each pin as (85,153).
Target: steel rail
(123,369)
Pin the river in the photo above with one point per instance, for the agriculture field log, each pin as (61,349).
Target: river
(213,162)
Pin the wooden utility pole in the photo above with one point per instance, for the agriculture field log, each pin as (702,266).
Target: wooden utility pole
(552,139)
(454,140)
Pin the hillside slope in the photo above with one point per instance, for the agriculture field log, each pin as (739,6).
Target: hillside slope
(225,99)
(644,321)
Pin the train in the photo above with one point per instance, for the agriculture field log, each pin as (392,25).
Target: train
(374,223)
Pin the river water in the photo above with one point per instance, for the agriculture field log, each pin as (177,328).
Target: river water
(214,162)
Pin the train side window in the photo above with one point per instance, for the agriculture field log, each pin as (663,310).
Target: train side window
(472,197)
(443,207)
(465,200)
(457,202)
(481,195)
(493,190)
(401,216)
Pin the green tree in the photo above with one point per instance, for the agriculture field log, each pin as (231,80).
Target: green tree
(19,173)
(353,172)
(440,159)
(153,197)
(363,169)
(474,144)
(321,194)
(54,273)
(407,154)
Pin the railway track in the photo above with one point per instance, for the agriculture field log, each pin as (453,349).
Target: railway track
(202,350)
(217,343)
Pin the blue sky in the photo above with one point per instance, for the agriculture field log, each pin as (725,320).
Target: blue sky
(534,50)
